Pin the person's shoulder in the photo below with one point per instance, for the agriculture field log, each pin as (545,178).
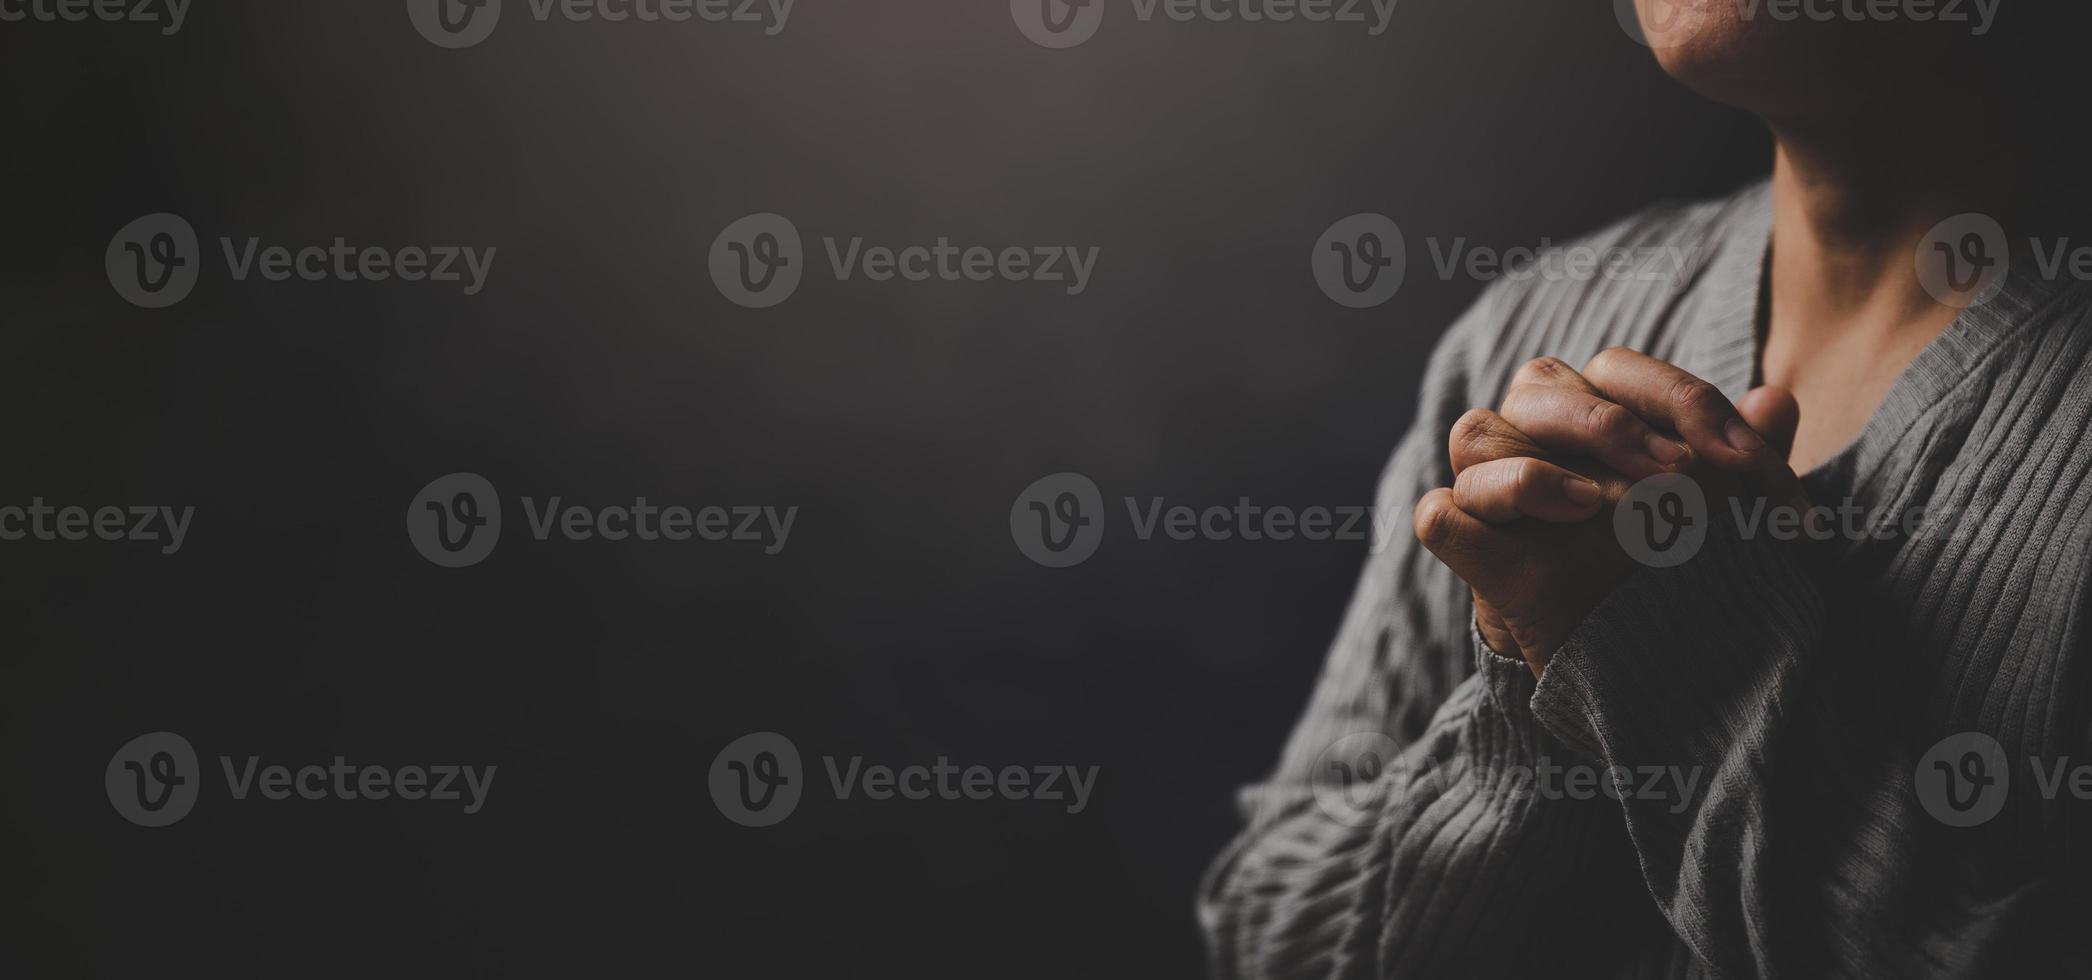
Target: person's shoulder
(1664,247)
(1689,222)
(2020,405)
(2035,336)
(1627,283)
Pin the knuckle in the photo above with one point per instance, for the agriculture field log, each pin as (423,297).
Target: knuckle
(1471,428)
(1524,480)
(1605,420)
(1469,487)
(1695,394)
(1433,520)
(1542,368)
(1607,356)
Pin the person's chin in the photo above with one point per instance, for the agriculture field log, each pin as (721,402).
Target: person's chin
(1776,92)
(1775,68)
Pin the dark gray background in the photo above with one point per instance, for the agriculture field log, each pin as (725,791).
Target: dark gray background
(900,624)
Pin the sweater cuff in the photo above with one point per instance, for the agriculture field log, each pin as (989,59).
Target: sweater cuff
(1509,733)
(1678,663)
(1508,682)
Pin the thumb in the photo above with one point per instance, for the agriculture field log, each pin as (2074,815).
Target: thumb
(1774,412)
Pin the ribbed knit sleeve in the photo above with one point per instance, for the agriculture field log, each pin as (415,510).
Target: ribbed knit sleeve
(1425,856)
(1803,849)
(1717,774)
(1449,864)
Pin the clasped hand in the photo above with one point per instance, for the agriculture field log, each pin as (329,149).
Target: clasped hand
(1527,522)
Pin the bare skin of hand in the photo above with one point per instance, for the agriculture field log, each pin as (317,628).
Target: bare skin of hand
(1527,521)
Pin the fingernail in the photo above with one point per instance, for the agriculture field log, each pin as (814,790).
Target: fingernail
(1665,451)
(1742,439)
(1581,492)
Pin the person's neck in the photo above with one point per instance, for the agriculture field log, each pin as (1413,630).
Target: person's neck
(1853,198)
